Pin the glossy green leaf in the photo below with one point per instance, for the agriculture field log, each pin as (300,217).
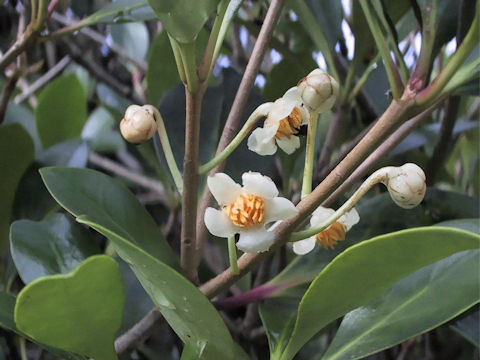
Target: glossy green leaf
(78,312)
(132,37)
(375,265)
(121,11)
(109,204)
(162,70)
(190,314)
(414,305)
(183,19)
(101,132)
(7,306)
(72,153)
(16,154)
(55,245)
(61,111)
(114,212)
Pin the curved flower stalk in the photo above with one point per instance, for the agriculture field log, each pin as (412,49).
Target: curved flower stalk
(246,210)
(284,119)
(329,237)
(406,185)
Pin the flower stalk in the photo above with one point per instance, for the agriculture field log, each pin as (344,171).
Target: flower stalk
(256,115)
(232,255)
(309,154)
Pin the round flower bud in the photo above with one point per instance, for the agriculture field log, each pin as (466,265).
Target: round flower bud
(318,91)
(139,123)
(406,185)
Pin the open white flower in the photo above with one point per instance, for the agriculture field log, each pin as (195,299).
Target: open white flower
(331,235)
(283,121)
(246,210)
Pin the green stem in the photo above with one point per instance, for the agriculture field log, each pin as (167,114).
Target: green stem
(41,15)
(429,94)
(375,178)
(259,112)
(33,14)
(345,91)
(363,79)
(209,56)
(178,58)
(315,31)
(309,154)
(390,67)
(167,150)
(23,348)
(187,52)
(232,255)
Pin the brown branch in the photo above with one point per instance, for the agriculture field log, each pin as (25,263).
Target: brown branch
(137,332)
(236,112)
(388,145)
(190,182)
(398,111)
(7,91)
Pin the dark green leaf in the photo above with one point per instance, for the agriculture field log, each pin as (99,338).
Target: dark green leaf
(78,312)
(186,309)
(132,37)
(109,204)
(52,246)
(122,11)
(61,111)
(374,265)
(73,153)
(469,328)
(7,306)
(329,15)
(16,154)
(414,305)
(183,19)
(162,70)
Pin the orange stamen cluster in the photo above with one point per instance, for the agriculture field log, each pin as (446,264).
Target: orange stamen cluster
(290,125)
(247,210)
(328,238)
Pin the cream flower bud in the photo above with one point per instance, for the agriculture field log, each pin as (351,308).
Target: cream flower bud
(318,91)
(406,185)
(139,123)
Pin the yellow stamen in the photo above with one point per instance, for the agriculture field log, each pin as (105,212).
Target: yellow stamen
(290,125)
(247,210)
(328,238)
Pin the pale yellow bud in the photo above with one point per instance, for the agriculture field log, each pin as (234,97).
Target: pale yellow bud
(139,123)
(318,91)
(406,185)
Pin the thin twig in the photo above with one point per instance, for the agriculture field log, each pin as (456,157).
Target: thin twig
(332,135)
(137,332)
(96,36)
(190,183)
(236,112)
(126,173)
(43,80)
(392,141)
(7,91)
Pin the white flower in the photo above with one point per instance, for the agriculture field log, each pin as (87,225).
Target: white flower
(246,210)
(318,90)
(331,235)
(406,185)
(139,123)
(284,119)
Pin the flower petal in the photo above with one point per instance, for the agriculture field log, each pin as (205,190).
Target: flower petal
(289,145)
(278,208)
(303,247)
(305,115)
(281,109)
(350,218)
(219,224)
(223,188)
(292,95)
(262,141)
(255,240)
(320,214)
(257,184)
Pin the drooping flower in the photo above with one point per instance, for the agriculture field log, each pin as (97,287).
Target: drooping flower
(318,91)
(139,123)
(283,122)
(406,185)
(246,210)
(330,236)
